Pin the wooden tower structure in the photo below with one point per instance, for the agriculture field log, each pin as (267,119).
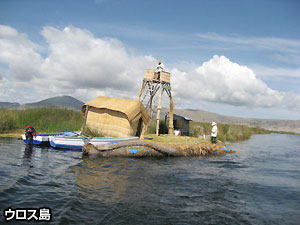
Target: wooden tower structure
(154,83)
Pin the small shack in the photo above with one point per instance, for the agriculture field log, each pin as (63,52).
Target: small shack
(115,117)
(182,123)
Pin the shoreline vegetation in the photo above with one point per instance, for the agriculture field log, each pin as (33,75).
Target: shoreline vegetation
(200,132)
(52,119)
(44,120)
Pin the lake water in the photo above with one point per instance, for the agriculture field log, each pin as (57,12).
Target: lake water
(258,185)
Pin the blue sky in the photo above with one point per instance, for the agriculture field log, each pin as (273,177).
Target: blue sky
(263,36)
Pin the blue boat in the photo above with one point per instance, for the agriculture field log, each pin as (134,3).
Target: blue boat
(43,138)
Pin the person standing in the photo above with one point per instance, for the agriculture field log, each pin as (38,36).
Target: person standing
(214,133)
(160,67)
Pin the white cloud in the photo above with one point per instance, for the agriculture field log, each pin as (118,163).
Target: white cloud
(76,63)
(19,53)
(220,80)
(270,43)
(84,66)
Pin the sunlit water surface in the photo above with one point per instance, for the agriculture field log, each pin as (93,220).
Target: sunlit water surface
(258,185)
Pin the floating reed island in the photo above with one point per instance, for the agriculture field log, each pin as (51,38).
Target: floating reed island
(120,118)
(142,148)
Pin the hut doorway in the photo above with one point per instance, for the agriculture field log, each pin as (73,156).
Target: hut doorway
(139,128)
(175,124)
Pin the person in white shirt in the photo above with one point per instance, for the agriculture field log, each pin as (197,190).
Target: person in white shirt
(214,133)
(160,67)
(177,132)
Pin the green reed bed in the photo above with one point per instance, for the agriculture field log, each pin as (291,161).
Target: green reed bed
(226,132)
(51,119)
(48,119)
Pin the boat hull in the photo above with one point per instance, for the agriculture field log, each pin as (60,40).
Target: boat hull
(78,142)
(67,142)
(43,138)
(37,140)
(104,140)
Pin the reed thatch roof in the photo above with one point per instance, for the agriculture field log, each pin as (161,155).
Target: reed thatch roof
(131,108)
(115,117)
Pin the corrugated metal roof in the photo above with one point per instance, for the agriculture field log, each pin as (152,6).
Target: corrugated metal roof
(183,117)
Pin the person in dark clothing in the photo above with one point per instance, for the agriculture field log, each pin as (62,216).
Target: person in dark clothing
(29,133)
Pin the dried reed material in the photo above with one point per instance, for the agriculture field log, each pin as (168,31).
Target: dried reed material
(149,74)
(165,77)
(148,148)
(116,117)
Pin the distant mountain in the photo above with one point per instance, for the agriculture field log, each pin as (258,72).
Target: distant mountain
(60,101)
(9,105)
(269,124)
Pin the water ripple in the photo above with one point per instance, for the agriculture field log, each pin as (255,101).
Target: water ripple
(258,185)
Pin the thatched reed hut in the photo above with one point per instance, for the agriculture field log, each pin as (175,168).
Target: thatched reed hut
(115,117)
